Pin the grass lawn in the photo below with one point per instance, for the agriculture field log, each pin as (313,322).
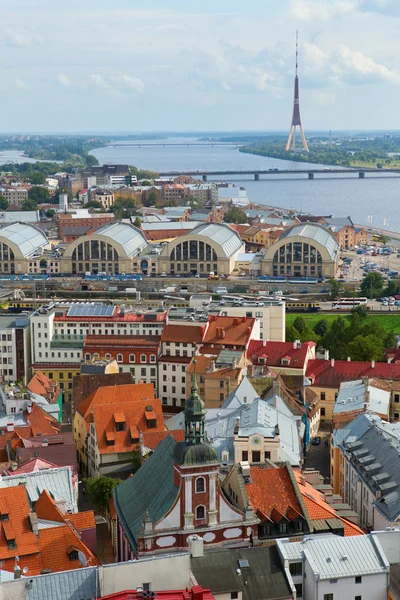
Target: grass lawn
(388,322)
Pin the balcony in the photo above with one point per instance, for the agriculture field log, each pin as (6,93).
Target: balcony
(67,341)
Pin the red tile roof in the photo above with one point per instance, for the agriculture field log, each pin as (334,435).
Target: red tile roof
(112,394)
(274,352)
(272,492)
(325,375)
(82,521)
(14,501)
(229,331)
(152,438)
(31,466)
(194,593)
(192,334)
(43,386)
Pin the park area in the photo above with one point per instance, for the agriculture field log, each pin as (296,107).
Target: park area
(389,322)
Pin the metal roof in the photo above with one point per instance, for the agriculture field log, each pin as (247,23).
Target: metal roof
(28,238)
(314,232)
(221,234)
(78,584)
(129,236)
(354,394)
(58,482)
(15,216)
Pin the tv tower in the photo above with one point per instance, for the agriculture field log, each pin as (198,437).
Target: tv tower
(296,119)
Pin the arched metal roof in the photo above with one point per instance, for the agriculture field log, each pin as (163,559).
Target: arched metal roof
(221,234)
(313,232)
(130,237)
(28,238)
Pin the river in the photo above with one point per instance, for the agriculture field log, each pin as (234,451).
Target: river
(376,196)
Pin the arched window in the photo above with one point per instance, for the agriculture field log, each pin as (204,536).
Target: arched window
(107,355)
(131,358)
(143,358)
(200,512)
(87,356)
(200,484)
(120,358)
(225,456)
(153,358)
(96,355)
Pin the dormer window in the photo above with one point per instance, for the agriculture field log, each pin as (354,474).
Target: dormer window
(110,438)
(151,417)
(285,361)
(120,421)
(73,553)
(261,360)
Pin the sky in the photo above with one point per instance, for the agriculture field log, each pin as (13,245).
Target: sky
(162,65)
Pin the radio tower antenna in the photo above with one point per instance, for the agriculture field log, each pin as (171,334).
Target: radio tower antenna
(296,119)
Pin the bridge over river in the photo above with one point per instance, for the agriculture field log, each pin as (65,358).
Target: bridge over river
(272,172)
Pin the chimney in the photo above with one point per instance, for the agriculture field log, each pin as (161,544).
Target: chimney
(212,366)
(223,333)
(10,426)
(33,521)
(244,319)
(276,387)
(264,343)
(17,571)
(348,359)
(236,321)
(332,362)
(196,546)
(276,432)
(372,364)
(295,345)
(45,442)
(29,408)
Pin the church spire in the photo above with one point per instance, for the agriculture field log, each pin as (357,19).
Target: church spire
(195,412)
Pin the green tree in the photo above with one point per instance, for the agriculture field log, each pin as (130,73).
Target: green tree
(336,288)
(366,348)
(37,178)
(300,324)
(384,238)
(361,311)
(63,190)
(152,199)
(100,489)
(335,338)
(235,215)
(372,284)
(40,195)
(137,222)
(321,327)
(291,333)
(29,205)
(3,202)
(379,165)
(94,204)
(50,213)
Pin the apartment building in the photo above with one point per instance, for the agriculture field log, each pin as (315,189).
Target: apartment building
(270,315)
(15,195)
(105,197)
(15,355)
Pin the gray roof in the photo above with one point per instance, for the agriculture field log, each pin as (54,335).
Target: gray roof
(130,237)
(221,234)
(263,579)
(58,482)
(169,225)
(152,488)
(79,584)
(373,447)
(339,221)
(314,232)
(28,238)
(23,216)
(354,394)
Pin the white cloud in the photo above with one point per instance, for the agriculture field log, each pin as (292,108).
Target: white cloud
(355,67)
(98,80)
(20,37)
(320,10)
(63,79)
(20,84)
(132,83)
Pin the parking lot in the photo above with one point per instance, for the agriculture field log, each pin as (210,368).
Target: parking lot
(355,272)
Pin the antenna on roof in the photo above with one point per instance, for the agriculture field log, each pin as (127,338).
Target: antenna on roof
(82,558)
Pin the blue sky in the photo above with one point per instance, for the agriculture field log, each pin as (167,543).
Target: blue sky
(131,65)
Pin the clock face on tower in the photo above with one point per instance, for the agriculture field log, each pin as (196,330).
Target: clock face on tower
(256,441)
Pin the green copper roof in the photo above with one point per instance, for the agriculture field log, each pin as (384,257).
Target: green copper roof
(195,454)
(150,489)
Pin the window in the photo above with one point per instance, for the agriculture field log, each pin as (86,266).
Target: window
(299,589)
(328,596)
(200,512)
(143,358)
(200,485)
(296,568)
(131,358)
(245,455)
(357,598)
(120,358)
(221,397)
(397,398)
(323,396)
(221,384)
(299,526)
(282,527)
(267,455)
(358,579)
(234,595)
(256,456)
(153,358)
(322,411)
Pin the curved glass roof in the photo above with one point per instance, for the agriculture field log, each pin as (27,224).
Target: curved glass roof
(314,232)
(28,238)
(221,234)
(131,238)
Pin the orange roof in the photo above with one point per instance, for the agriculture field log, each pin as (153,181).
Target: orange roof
(272,491)
(119,417)
(152,438)
(116,395)
(41,422)
(83,520)
(229,331)
(136,416)
(40,384)
(17,527)
(319,509)
(193,334)
(54,543)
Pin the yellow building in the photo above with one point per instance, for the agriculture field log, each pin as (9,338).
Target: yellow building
(62,373)
(105,197)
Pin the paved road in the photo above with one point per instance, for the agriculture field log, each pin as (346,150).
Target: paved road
(318,456)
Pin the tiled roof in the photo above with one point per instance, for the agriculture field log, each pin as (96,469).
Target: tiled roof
(318,509)
(152,438)
(272,489)
(61,455)
(41,422)
(47,509)
(15,502)
(41,384)
(36,464)
(54,543)
(228,331)
(58,482)
(183,333)
(114,395)
(85,385)
(153,488)
(83,520)
(274,352)
(325,375)
(118,318)
(105,418)
(187,594)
